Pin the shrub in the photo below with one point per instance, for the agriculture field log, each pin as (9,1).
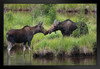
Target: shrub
(9,16)
(53,35)
(82,26)
(45,10)
(36,13)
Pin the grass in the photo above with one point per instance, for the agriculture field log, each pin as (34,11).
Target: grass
(66,44)
(53,42)
(61,6)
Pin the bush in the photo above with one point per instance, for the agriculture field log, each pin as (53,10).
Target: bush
(82,26)
(45,10)
(36,13)
(75,33)
(53,35)
(9,16)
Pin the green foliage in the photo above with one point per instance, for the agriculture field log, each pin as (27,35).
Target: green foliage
(9,16)
(37,13)
(75,48)
(17,6)
(54,35)
(76,33)
(45,10)
(81,30)
(82,27)
(66,44)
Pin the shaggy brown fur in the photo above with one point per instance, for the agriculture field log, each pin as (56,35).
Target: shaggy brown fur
(66,27)
(23,35)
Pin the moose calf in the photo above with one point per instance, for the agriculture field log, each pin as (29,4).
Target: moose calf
(23,35)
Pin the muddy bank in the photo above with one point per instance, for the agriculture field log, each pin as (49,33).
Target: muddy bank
(75,52)
(44,53)
(86,11)
(17,10)
(71,10)
(60,54)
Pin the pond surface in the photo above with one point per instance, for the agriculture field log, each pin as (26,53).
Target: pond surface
(17,58)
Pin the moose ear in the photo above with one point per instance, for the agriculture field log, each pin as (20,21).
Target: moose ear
(41,23)
(55,21)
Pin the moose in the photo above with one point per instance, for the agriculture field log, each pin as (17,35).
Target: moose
(66,27)
(23,35)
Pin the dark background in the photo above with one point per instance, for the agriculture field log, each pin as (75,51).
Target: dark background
(56,2)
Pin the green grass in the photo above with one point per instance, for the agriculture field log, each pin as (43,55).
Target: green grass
(53,42)
(66,43)
(67,6)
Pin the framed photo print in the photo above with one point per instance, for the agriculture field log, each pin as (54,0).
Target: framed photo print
(50,34)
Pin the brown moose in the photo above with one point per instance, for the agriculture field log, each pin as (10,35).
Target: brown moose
(23,35)
(66,27)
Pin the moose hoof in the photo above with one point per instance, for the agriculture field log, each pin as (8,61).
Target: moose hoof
(29,48)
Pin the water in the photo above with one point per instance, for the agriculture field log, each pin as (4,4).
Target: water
(17,58)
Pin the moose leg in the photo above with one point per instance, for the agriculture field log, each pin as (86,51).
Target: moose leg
(9,47)
(29,42)
(24,48)
(29,51)
(29,45)
(63,35)
(32,48)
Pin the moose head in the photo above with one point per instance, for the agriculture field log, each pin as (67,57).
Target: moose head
(40,29)
(54,26)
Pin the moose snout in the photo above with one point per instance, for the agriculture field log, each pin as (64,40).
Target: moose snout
(49,31)
(46,33)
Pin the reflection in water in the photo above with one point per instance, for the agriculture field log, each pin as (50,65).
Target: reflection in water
(14,53)
(66,61)
(8,59)
(30,57)
(24,56)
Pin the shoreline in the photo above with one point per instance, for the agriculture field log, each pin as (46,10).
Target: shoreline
(83,52)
